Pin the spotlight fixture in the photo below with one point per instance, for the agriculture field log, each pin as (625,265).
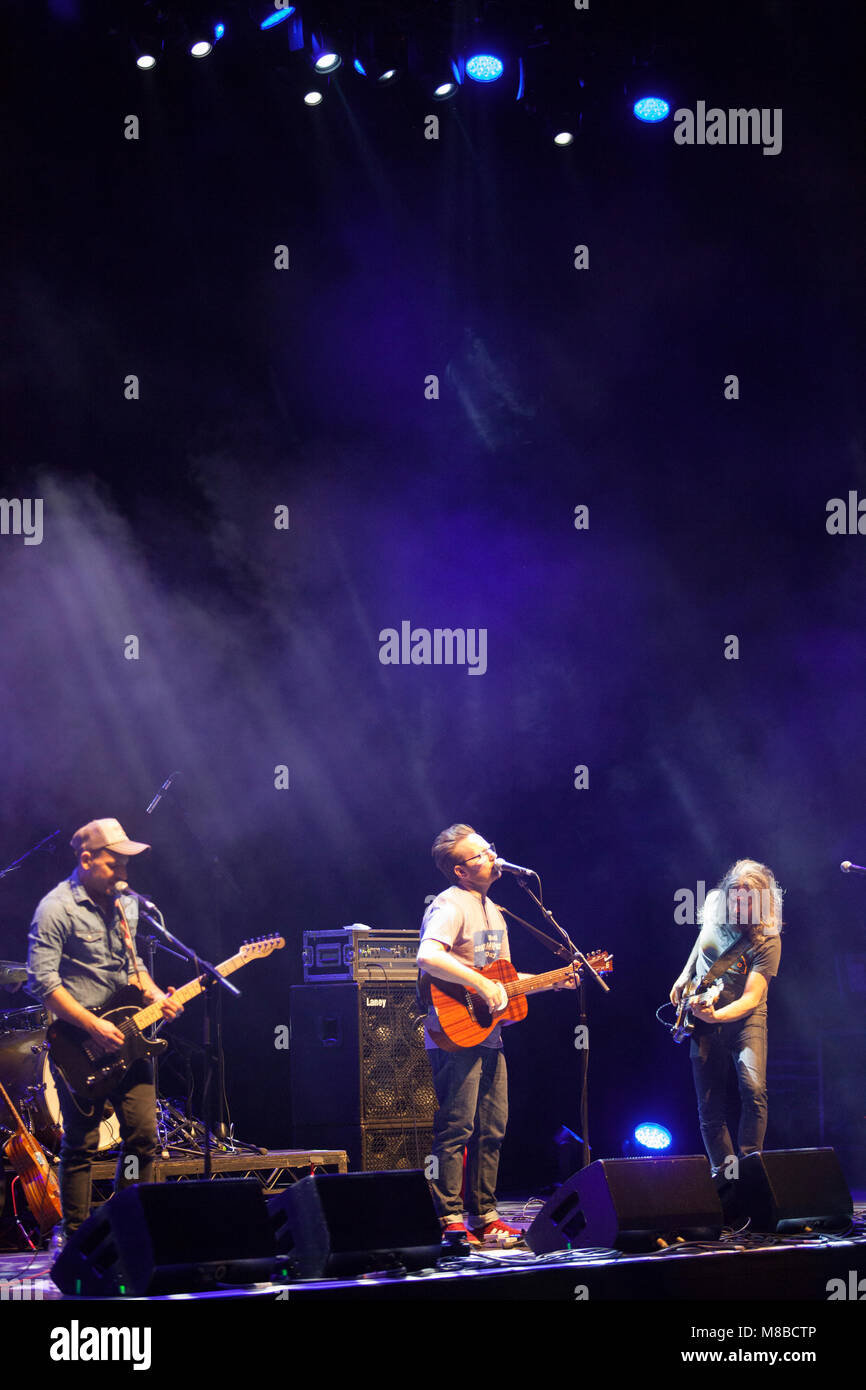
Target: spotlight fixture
(563,138)
(652,1136)
(380,54)
(145,61)
(277,17)
(325,59)
(445,90)
(651,109)
(313,99)
(201,48)
(484,67)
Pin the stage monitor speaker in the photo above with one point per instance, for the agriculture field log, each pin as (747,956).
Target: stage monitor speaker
(630,1204)
(334,1225)
(785,1190)
(178,1237)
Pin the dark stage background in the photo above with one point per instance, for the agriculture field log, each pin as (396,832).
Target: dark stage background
(260,388)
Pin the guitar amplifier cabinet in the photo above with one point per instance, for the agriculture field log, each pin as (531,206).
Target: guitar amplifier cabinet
(360,1075)
(360,955)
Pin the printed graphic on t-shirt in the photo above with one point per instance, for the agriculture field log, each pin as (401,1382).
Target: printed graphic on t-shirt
(487,946)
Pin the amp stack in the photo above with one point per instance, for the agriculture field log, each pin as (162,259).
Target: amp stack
(361,1079)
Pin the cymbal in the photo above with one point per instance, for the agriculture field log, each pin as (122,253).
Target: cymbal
(12,972)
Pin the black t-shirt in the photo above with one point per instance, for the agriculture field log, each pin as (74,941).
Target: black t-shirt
(716,938)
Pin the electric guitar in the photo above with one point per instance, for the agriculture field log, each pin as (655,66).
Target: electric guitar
(465,1019)
(73,1051)
(684,1025)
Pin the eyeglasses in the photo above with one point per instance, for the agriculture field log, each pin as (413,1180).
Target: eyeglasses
(491,849)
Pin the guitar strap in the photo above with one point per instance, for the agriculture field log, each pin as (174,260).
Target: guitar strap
(127,936)
(724,962)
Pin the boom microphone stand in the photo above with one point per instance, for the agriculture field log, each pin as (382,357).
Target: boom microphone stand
(566,950)
(202,968)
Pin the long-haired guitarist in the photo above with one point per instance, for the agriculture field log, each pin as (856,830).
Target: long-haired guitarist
(81,952)
(732,1027)
(462,932)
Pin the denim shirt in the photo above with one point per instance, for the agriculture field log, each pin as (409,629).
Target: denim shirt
(71,945)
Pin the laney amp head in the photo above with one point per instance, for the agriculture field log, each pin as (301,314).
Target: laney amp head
(359,955)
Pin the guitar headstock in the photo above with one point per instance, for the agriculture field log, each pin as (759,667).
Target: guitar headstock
(601,962)
(261,946)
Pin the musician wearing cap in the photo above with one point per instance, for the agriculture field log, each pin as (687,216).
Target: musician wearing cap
(81,952)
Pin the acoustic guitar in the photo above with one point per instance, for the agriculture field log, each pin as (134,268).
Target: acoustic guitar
(464,1018)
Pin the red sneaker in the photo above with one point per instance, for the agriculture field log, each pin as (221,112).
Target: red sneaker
(499,1233)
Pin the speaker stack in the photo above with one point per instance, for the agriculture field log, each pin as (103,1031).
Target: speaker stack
(360,1075)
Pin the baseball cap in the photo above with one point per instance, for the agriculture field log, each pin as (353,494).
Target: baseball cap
(105,834)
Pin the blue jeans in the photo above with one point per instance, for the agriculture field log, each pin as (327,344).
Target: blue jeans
(472,1091)
(743,1042)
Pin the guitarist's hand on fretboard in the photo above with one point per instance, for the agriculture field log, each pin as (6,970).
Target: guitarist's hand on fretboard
(676,993)
(171,1008)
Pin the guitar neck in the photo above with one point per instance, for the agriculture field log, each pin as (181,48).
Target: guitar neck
(536,983)
(153,1012)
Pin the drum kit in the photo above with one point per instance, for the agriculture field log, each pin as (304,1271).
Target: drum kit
(26,1075)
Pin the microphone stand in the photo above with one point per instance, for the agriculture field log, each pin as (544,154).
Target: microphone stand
(201,967)
(568,951)
(151,942)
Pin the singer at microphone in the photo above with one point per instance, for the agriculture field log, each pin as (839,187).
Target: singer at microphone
(122,889)
(82,954)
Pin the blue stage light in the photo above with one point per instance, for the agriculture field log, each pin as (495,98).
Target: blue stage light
(277,17)
(484,67)
(359,67)
(651,109)
(652,1136)
(218,31)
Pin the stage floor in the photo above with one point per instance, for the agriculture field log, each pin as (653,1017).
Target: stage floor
(740,1267)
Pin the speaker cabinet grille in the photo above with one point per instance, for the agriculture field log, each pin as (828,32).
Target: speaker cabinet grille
(360,1068)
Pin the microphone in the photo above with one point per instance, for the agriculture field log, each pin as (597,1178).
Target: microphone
(164,788)
(848,868)
(504,867)
(123,888)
